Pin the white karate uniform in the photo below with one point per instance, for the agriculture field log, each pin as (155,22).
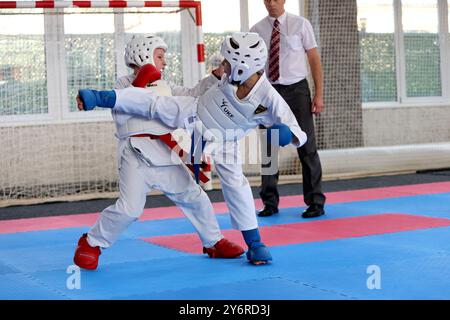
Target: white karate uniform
(176,112)
(161,169)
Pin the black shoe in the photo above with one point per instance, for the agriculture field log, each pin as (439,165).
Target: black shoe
(313,211)
(267,212)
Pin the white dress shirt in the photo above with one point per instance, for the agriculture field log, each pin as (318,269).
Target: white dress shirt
(297,36)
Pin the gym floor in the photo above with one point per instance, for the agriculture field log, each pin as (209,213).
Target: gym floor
(381,238)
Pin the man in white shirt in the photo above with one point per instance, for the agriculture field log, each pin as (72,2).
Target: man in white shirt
(289,37)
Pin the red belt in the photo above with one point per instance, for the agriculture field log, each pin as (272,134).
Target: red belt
(174,146)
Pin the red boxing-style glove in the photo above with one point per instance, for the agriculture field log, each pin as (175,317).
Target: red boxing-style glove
(147,74)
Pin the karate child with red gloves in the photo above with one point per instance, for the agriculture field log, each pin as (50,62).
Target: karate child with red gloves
(146,162)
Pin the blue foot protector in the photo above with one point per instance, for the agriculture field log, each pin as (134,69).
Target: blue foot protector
(257,252)
(284,134)
(94,98)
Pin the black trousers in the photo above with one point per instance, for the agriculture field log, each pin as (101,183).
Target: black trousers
(298,97)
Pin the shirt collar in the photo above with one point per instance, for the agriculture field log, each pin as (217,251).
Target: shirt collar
(281,19)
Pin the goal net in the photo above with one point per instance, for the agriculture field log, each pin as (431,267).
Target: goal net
(49,49)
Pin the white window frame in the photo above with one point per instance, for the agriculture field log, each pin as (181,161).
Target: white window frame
(245,16)
(11,120)
(56,83)
(57,77)
(402,99)
(444,38)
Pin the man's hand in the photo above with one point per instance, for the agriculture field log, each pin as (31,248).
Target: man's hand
(317,105)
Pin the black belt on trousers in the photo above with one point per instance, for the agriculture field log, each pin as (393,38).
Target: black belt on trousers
(301,82)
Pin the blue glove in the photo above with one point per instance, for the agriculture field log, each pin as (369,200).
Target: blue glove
(284,134)
(94,98)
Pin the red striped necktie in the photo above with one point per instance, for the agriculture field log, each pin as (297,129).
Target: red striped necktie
(274,54)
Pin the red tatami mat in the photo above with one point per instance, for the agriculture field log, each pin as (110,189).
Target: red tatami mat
(87,219)
(322,230)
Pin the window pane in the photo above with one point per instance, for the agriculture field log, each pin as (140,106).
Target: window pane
(23,79)
(218,21)
(377,50)
(89,46)
(422,51)
(165,24)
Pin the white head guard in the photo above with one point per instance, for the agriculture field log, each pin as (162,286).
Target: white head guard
(139,50)
(247,54)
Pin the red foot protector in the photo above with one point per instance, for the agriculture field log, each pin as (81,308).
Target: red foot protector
(301,232)
(86,257)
